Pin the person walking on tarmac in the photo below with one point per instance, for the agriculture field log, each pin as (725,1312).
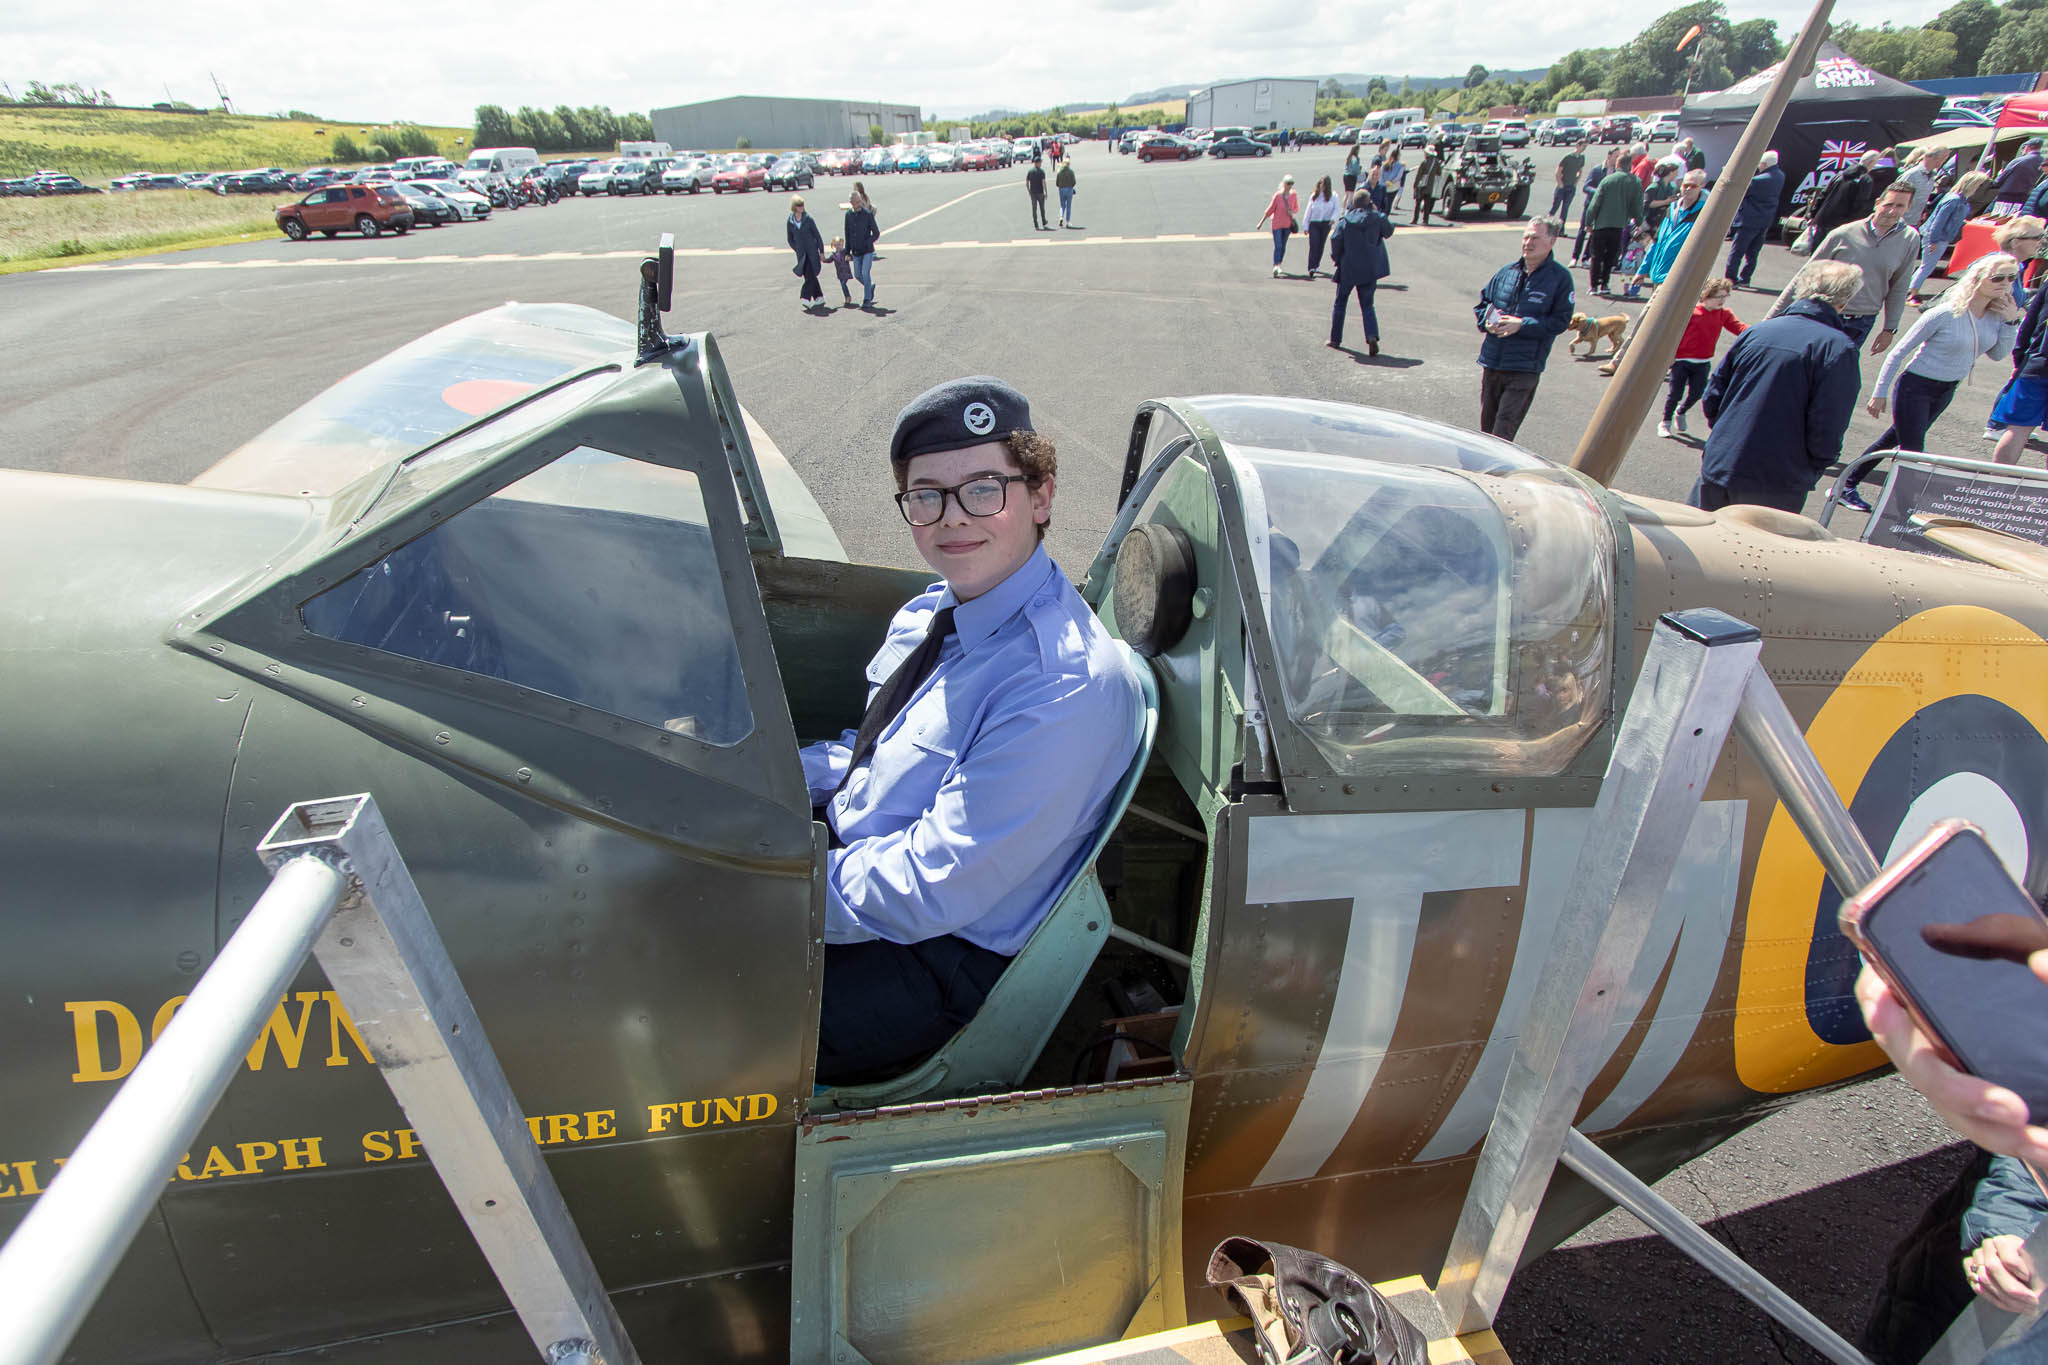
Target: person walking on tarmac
(1358,248)
(1617,203)
(804,239)
(1034,185)
(1064,181)
(1428,175)
(1280,212)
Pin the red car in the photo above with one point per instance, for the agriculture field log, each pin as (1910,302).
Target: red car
(739,178)
(977,159)
(368,209)
(1165,148)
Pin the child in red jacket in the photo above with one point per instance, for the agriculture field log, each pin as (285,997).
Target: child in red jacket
(1695,360)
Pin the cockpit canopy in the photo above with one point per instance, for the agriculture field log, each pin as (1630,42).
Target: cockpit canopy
(1437,601)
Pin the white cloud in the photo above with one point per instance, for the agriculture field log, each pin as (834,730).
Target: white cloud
(434,61)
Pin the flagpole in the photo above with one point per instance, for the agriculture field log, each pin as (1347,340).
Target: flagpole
(1626,402)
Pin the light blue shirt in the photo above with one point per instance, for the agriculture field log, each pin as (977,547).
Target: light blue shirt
(985,791)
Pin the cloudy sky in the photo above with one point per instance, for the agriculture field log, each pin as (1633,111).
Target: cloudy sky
(434,61)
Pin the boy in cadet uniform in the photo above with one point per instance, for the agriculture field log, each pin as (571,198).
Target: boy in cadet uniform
(1000,720)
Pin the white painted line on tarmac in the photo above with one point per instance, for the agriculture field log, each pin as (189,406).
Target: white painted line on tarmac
(698,252)
(898,227)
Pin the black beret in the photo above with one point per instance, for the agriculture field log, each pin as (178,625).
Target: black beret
(952,416)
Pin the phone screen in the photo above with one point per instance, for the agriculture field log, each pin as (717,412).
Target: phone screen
(1949,933)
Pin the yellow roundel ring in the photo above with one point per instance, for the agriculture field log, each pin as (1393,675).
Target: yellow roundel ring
(1940,653)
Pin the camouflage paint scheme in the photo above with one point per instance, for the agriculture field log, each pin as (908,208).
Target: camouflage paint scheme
(636,910)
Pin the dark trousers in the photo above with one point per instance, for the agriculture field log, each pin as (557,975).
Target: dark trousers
(1318,238)
(1424,198)
(1038,211)
(1915,404)
(1350,184)
(1561,201)
(1367,318)
(812,289)
(1743,251)
(888,1005)
(1504,397)
(1688,385)
(1857,329)
(1712,497)
(1606,250)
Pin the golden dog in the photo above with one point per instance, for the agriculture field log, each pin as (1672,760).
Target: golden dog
(1593,330)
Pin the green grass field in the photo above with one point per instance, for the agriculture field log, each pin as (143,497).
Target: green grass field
(97,144)
(40,232)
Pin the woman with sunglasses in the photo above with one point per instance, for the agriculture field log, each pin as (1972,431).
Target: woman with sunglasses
(1975,317)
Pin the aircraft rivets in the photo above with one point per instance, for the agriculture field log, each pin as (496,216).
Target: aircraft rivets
(524,774)
(348,943)
(441,738)
(359,701)
(188,961)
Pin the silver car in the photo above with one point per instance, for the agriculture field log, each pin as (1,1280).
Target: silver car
(691,176)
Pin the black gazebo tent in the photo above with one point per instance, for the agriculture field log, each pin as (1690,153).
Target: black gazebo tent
(1841,110)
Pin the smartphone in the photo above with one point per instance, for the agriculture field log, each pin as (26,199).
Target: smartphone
(1949,930)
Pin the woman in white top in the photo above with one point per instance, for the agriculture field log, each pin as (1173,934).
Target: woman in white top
(1323,210)
(1976,316)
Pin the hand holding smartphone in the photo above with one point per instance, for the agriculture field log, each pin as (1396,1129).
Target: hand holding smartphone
(1949,932)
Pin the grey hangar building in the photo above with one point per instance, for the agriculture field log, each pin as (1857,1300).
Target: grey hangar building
(771,121)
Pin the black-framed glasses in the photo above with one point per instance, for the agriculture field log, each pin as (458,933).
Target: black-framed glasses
(984,495)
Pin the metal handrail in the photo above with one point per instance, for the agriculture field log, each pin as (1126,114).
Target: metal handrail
(1853,469)
(59,1259)
(1701,678)
(340,891)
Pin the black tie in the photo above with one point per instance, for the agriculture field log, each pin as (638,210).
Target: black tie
(893,695)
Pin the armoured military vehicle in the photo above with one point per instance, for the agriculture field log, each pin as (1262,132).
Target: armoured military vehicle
(1478,174)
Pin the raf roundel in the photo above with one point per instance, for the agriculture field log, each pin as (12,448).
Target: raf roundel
(980,418)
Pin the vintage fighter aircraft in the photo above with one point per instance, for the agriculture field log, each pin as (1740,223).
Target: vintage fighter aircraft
(567,613)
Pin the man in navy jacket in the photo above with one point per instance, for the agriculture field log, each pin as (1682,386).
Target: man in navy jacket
(1755,218)
(1521,311)
(1782,398)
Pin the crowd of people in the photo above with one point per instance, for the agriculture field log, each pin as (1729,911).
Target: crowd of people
(1778,405)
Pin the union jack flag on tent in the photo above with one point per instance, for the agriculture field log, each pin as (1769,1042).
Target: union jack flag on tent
(1839,154)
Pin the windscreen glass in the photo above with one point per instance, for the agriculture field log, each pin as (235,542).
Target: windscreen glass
(593,579)
(1432,619)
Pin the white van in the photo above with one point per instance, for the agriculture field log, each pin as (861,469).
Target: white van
(423,168)
(1387,124)
(644,151)
(500,165)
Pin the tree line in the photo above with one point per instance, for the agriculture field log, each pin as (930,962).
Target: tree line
(565,129)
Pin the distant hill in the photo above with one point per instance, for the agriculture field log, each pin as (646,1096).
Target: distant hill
(96,141)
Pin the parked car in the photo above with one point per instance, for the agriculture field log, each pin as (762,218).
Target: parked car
(792,172)
(598,179)
(1166,147)
(1955,116)
(942,158)
(739,177)
(368,209)
(688,177)
(1415,135)
(977,159)
(877,161)
(638,175)
(254,182)
(428,209)
(912,159)
(1514,133)
(46,185)
(1238,146)
(1663,129)
(466,202)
